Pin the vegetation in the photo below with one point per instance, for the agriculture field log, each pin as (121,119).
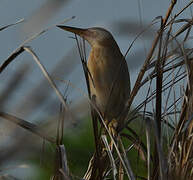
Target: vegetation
(155,143)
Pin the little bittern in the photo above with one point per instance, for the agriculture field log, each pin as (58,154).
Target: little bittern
(109,79)
(109,85)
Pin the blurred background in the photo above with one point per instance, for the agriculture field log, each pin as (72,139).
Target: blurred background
(25,93)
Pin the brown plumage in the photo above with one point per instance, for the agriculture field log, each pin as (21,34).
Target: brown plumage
(109,82)
(109,85)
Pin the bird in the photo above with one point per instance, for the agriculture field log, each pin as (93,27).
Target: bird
(109,84)
(109,79)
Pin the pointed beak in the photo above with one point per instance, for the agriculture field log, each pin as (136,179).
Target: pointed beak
(81,32)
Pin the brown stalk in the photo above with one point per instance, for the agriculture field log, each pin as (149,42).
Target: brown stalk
(149,56)
(9,25)
(11,58)
(28,126)
(48,77)
(61,165)
(180,12)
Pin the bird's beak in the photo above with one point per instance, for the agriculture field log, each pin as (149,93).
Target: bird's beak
(81,32)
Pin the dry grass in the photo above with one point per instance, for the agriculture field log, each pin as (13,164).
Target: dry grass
(167,151)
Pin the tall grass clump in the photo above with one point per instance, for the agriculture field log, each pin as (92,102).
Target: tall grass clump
(156,141)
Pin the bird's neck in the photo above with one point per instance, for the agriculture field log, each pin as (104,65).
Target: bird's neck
(106,46)
(105,53)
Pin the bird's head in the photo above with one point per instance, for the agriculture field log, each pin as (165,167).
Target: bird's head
(95,36)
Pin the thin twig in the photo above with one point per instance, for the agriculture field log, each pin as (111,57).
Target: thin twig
(46,74)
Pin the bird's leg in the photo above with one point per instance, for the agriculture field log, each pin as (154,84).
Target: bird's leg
(112,126)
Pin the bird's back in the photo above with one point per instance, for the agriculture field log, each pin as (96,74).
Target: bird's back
(110,81)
